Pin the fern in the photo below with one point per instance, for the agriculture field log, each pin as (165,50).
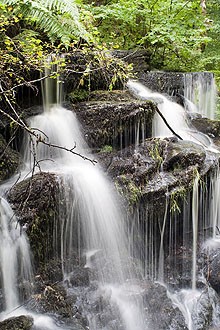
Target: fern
(59,19)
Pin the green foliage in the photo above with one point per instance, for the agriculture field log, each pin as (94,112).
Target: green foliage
(210,60)
(176,198)
(173,31)
(107,149)
(58,19)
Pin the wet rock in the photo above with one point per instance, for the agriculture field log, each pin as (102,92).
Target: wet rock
(117,121)
(79,277)
(48,273)
(206,313)
(212,269)
(182,154)
(161,313)
(22,322)
(9,160)
(208,126)
(35,203)
(171,83)
(53,299)
(156,168)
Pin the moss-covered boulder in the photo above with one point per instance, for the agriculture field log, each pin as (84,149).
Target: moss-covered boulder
(22,322)
(35,203)
(155,168)
(115,119)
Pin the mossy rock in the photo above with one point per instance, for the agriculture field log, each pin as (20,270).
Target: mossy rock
(117,115)
(35,203)
(22,322)
(156,168)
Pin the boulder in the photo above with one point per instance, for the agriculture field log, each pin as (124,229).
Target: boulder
(22,322)
(155,168)
(161,312)
(212,269)
(35,203)
(117,117)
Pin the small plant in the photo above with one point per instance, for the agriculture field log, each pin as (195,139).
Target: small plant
(155,153)
(107,149)
(176,197)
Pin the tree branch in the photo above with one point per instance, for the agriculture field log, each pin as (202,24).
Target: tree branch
(166,123)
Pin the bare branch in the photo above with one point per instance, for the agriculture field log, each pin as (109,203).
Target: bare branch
(25,83)
(166,123)
(38,138)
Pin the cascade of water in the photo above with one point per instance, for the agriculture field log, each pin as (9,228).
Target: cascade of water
(161,255)
(15,262)
(91,217)
(174,114)
(214,211)
(200,212)
(52,89)
(200,93)
(195,205)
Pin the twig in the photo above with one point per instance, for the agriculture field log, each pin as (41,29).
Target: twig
(166,123)
(26,83)
(40,140)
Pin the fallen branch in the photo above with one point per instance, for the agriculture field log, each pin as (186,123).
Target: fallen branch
(40,140)
(166,123)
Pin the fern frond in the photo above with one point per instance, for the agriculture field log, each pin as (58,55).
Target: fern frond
(64,6)
(49,15)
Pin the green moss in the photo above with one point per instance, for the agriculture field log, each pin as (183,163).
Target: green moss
(128,189)
(176,197)
(155,153)
(106,148)
(78,95)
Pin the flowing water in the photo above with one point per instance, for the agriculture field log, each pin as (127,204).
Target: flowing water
(200,93)
(15,261)
(178,122)
(199,213)
(93,224)
(94,212)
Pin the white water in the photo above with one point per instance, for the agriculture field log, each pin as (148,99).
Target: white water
(213,243)
(174,114)
(93,211)
(15,260)
(200,93)
(187,300)
(195,206)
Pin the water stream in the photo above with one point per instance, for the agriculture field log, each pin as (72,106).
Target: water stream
(204,212)
(94,212)
(92,219)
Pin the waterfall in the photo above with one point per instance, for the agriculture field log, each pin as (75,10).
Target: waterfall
(91,217)
(174,114)
(122,254)
(15,261)
(200,93)
(184,234)
(195,206)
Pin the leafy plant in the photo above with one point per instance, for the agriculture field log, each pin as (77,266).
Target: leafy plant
(173,31)
(60,20)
